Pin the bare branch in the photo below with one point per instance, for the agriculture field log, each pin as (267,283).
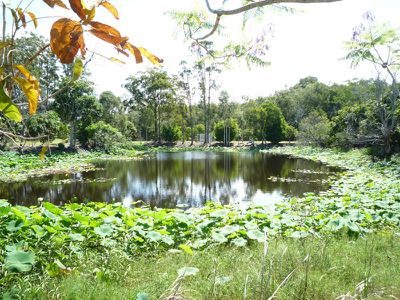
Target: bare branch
(36,54)
(11,135)
(213,30)
(261,4)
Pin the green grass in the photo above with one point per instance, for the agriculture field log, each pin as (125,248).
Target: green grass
(366,268)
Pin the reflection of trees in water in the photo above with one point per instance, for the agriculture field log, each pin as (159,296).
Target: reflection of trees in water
(175,178)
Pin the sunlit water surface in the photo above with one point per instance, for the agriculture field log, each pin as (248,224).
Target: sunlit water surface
(183,178)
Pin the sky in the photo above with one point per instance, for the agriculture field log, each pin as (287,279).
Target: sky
(308,42)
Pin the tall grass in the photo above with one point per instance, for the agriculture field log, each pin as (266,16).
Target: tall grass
(329,268)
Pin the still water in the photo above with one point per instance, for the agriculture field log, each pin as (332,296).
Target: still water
(184,178)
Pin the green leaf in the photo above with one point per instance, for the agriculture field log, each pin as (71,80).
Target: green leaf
(14,225)
(219,213)
(239,242)
(78,69)
(9,109)
(227,230)
(219,237)
(19,261)
(187,271)
(104,230)
(256,235)
(52,208)
(154,236)
(76,237)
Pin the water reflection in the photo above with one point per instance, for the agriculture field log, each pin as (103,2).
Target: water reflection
(169,179)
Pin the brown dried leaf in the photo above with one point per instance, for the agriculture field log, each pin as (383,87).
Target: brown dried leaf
(77,7)
(66,39)
(135,52)
(107,33)
(21,17)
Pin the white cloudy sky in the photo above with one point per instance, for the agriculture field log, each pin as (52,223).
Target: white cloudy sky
(309,42)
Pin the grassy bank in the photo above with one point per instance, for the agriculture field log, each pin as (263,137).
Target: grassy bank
(343,241)
(329,268)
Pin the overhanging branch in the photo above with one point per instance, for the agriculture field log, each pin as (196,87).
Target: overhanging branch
(222,12)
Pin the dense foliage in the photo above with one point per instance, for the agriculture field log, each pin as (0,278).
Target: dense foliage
(102,136)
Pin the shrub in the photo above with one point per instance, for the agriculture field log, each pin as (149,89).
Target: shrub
(171,133)
(48,125)
(102,136)
(220,126)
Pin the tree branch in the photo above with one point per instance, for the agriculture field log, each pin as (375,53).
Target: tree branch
(11,135)
(262,3)
(213,30)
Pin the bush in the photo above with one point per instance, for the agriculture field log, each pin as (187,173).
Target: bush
(48,125)
(219,130)
(171,133)
(102,136)
(314,129)
(290,133)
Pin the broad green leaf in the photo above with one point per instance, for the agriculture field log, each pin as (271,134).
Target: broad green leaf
(9,109)
(187,271)
(15,225)
(104,230)
(239,242)
(219,237)
(299,234)
(52,208)
(219,213)
(19,261)
(256,235)
(76,237)
(77,70)
(154,236)
(38,230)
(227,230)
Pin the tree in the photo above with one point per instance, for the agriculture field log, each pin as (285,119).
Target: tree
(112,105)
(380,45)
(153,89)
(78,106)
(186,77)
(314,129)
(274,122)
(226,131)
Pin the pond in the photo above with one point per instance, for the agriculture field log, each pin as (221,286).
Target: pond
(182,178)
